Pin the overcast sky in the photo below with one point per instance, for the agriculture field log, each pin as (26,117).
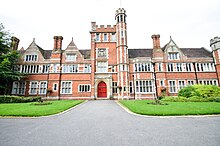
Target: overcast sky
(191,23)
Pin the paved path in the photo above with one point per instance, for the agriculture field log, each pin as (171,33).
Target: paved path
(104,123)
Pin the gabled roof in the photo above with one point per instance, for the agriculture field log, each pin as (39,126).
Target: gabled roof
(134,53)
(196,52)
(72,46)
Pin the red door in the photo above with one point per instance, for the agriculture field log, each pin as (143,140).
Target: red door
(102,90)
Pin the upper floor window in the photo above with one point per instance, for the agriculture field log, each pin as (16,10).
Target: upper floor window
(102,52)
(31,58)
(179,67)
(205,67)
(170,67)
(105,37)
(87,68)
(70,68)
(102,66)
(160,67)
(188,67)
(173,55)
(71,57)
(97,37)
(142,67)
(113,37)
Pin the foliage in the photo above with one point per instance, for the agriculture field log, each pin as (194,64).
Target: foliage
(8,60)
(173,108)
(202,91)
(18,99)
(31,110)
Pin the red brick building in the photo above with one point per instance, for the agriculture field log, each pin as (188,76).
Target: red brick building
(111,69)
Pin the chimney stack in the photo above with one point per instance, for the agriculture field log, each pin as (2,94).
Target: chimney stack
(14,43)
(156,41)
(57,43)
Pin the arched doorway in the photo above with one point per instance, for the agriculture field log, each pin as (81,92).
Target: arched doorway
(102,90)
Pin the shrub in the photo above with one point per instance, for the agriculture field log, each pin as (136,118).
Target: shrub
(175,99)
(202,91)
(217,99)
(18,99)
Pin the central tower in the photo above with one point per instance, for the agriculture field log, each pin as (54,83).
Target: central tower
(122,53)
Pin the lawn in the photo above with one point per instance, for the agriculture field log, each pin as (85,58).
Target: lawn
(173,108)
(31,109)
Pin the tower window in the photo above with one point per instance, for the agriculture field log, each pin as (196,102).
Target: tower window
(105,37)
(121,16)
(97,37)
(118,19)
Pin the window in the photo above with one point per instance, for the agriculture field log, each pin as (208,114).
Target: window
(173,55)
(55,87)
(181,84)
(71,57)
(161,82)
(105,37)
(131,87)
(172,86)
(188,67)
(18,88)
(205,67)
(84,88)
(97,37)
(43,87)
(33,87)
(143,67)
(190,82)
(113,37)
(160,67)
(102,52)
(66,87)
(31,58)
(179,67)
(87,68)
(144,86)
(208,82)
(72,68)
(30,69)
(170,67)
(45,68)
(102,66)
(114,87)
(55,67)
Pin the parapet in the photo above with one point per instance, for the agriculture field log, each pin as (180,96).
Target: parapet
(102,28)
(215,43)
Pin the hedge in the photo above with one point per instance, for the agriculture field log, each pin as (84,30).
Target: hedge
(190,99)
(18,99)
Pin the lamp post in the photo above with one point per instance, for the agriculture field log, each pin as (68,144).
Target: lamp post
(155,82)
(133,86)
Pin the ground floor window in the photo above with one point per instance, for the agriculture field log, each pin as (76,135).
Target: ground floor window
(172,86)
(84,88)
(18,88)
(42,87)
(181,84)
(66,87)
(208,82)
(144,86)
(33,87)
(131,87)
(114,87)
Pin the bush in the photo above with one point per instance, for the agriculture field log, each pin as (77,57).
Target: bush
(18,99)
(175,99)
(201,91)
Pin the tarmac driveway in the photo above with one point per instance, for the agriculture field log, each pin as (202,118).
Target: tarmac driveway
(104,123)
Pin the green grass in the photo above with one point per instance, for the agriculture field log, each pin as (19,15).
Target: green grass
(173,108)
(32,110)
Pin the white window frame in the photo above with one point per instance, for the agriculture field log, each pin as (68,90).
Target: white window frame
(170,67)
(144,86)
(67,87)
(31,58)
(71,57)
(84,88)
(43,88)
(190,82)
(181,84)
(172,88)
(114,87)
(33,88)
(173,56)
(87,68)
(105,37)
(102,66)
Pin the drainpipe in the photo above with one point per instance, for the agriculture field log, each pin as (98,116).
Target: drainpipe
(155,80)
(194,65)
(133,86)
(48,78)
(61,56)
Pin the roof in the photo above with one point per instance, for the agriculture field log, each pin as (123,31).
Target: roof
(86,53)
(196,52)
(133,53)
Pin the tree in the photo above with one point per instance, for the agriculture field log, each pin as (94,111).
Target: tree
(8,60)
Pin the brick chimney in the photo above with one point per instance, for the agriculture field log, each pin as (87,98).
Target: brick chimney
(156,40)
(14,43)
(57,43)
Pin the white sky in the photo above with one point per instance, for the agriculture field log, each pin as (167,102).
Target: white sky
(191,23)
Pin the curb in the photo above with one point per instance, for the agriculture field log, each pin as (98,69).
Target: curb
(57,114)
(163,117)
